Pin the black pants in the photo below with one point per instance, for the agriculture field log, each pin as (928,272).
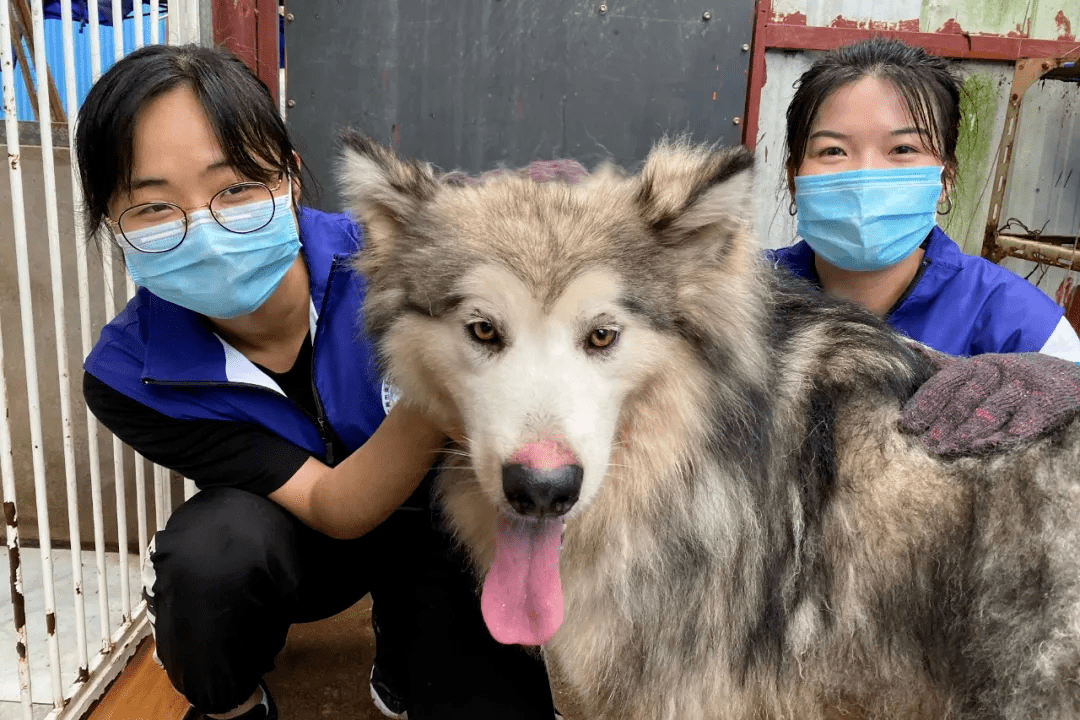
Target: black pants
(234,570)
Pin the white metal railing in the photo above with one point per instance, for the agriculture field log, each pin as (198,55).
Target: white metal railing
(112,642)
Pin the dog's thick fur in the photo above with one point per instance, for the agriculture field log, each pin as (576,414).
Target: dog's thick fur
(754,537)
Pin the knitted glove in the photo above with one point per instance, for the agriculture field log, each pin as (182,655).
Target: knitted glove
(989,403)
(540,171)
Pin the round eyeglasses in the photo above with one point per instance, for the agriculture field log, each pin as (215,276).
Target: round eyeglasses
(157,227)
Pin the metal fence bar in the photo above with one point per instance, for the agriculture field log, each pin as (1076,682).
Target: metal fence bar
(140,504)
(7,480)
(155,32)
(11,513)
(52,222)
(7,469)
(120,480)
(137,8)
(191,30)
(22,264)
(95,45)
(53,238)
(161,484)
(96,488)
(117,29)
(83,282)
(173,24)
(109,276)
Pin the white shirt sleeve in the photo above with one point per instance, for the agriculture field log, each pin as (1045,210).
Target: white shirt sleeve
(1063,342)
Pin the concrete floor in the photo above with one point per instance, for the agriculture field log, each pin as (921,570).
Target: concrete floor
(323,670)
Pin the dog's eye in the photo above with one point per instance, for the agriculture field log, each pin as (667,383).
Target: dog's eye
(483,331)
(602,338)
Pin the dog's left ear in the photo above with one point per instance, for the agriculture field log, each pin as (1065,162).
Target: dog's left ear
(688,192)
(384,193)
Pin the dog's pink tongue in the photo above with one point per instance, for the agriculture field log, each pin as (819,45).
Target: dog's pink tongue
(522,597)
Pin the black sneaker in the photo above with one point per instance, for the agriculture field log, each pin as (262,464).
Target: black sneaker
(384,697)
(265,710)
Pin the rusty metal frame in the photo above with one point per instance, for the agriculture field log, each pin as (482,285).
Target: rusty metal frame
(790,32)
(1033,246)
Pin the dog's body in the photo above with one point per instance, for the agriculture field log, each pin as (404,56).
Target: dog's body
(745,532)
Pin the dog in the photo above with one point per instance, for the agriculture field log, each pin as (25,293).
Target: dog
(681,472)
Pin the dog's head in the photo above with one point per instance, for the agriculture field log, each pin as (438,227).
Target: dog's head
(547,318)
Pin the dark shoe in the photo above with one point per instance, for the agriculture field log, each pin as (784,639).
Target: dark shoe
(266,710)
(386,699)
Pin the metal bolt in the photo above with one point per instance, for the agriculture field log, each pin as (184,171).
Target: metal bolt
(706,16)
(602,9)
(737,120)
(745,48)
(290,103)
(289,17)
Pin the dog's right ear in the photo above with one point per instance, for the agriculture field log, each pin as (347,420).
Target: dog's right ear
(383,191)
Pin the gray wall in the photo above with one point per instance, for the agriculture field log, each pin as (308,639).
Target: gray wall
(476,84)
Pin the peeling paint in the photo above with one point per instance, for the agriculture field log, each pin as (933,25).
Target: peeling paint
(18,602)
(903,25)
(50,623)
(13,160)
(1064,26)
(10,514)
(974,148)
(795,18)
(951,27)
(1001,18)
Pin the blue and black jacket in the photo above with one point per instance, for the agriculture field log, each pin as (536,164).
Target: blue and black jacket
(169,359)
(960,304)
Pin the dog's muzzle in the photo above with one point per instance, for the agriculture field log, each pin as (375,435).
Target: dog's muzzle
(541,492)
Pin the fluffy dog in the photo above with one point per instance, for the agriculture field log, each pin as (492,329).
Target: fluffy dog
(683,475)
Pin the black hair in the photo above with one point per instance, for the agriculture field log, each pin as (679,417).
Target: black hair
(238,106)
(928,86)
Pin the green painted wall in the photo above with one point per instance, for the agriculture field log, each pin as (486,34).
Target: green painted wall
(1038,18)
(975,150)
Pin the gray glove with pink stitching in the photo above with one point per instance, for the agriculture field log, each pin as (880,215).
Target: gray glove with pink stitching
(991,403)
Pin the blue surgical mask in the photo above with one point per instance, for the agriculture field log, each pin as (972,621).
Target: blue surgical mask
(867,219)
(214,271)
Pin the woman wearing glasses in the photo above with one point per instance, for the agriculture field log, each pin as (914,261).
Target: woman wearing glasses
(239,364)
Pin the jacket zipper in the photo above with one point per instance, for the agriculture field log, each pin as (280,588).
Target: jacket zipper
(319,419)
(321,412)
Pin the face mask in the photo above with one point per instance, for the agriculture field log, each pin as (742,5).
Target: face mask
(214,271)
(867,219)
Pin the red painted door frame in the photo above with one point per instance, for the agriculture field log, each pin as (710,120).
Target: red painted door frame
(790,32)
(250,29)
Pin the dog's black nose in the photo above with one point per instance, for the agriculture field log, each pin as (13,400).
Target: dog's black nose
(541,492)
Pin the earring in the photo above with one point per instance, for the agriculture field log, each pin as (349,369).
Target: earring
(791,208)
(948,206)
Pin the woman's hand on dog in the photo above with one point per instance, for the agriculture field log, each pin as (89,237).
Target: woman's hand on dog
(991,403)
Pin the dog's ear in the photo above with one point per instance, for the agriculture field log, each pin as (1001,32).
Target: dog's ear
(688,192)
(383,191)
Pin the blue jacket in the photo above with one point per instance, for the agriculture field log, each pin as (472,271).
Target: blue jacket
(167,357)
(960,304)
